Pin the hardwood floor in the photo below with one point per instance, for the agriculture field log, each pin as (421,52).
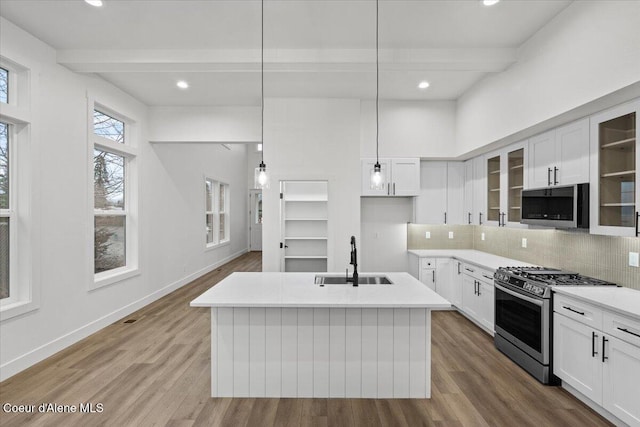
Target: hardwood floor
(155,371)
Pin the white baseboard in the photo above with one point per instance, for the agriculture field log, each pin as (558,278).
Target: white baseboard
(32,357)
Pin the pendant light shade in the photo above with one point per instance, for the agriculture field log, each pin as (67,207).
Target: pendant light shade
(261,179)
(377,175)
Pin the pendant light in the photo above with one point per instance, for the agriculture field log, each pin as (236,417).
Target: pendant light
(261,178)
(377,176)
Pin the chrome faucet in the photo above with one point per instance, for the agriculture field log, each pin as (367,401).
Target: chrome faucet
(354,262)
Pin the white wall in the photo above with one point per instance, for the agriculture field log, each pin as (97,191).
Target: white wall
(383,225)
(592,48)
(423,129)
(313,139)
(204,124)
(171,211)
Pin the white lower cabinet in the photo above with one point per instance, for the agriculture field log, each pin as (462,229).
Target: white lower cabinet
(478,296)
(597,353)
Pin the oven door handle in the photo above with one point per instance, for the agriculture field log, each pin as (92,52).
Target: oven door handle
(519,295)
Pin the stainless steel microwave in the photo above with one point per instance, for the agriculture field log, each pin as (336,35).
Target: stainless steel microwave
(560,207)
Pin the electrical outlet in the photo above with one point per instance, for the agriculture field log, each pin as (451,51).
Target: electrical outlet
(524,242)
(481,236)
(634,259)
(451,234)
(427,234)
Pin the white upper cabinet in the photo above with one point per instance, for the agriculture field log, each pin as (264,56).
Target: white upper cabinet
(560,156)
(401,175)
(441,199)
(614,184)
(479,216)
(431,204)
(468,194)
(405,175)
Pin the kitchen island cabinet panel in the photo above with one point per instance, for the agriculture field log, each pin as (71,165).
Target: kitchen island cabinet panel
(369,353)
(337,352)
(321,352)
(353,356)
(305,352)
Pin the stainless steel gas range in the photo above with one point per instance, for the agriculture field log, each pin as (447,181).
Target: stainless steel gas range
(523,314)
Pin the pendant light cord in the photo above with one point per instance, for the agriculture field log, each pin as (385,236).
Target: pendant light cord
(377,85)
(262,78)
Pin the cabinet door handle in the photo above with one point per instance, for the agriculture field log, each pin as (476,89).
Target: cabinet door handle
(475,287)
(487,277)
(636,222)
(604,341)
(637,216)
(458,268)
(549,176)
(388,189)
(593,344)
(479,218)
(479,288)
(555,175)
(575,311)
(629,332)
(394,188)
(445,217)
(469,270)
(434,275)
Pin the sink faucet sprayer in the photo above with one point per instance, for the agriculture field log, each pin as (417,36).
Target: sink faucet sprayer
(354,262)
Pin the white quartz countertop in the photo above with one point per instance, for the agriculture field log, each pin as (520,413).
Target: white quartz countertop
(622,300)
(299,290)
(479,258)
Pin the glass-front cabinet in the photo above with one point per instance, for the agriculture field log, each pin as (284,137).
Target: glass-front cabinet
(505,181)
(615,158)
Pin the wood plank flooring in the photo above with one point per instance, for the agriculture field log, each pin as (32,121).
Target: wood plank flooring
(155,372)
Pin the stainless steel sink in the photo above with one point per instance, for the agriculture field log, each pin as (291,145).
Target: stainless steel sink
(342,280)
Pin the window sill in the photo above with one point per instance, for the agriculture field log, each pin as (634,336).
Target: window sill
(217,245)
(17,308)
(110,277)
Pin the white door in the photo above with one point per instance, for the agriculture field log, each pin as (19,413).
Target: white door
(577,356)
(455,194)
(486,304)
(255,220)
(431,204)
(572,153)
(469,296)
(621,380)
(406,177)
(468,193)
(443,278)
(542,154)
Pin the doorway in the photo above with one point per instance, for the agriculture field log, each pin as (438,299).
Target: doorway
(255,220)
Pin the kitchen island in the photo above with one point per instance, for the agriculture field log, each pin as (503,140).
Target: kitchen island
(282,335)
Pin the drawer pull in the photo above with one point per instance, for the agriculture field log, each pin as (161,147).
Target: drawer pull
(468,269)
(593,344)
(575,311)
(487,277)
(629,332)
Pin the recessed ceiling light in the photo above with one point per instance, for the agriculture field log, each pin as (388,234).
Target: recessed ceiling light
(423,84)
(490,2)
(96,3)
(182,84)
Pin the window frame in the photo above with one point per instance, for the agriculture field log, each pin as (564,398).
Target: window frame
(24,286)
(14,286)
(129,151)
(216,212)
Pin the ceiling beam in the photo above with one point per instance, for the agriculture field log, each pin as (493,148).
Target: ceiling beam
(285,60)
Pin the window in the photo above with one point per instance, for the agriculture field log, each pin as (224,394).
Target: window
(216,212)
(4,86)
(5,215)
(114,203)
(19,292)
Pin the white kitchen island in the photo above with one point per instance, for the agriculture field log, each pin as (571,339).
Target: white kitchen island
(282,335)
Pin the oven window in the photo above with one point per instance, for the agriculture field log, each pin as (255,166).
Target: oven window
(520,318)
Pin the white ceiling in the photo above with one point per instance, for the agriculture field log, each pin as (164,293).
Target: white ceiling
(312,48)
